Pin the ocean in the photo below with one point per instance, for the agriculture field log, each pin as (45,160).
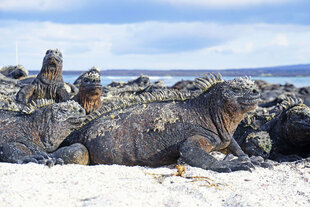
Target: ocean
(170,80)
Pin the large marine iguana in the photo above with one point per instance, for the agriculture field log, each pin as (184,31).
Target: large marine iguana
(89,90)
(48,84)
(281,132)
(29,133)
(159,133)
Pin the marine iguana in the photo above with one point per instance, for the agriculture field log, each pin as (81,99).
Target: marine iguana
(159,133)
(271,93)
(89,91)
(281,133)
(185,85)
(78,81)
(14,72)
(137,86)
(48,84)
(29,133)
(8,87)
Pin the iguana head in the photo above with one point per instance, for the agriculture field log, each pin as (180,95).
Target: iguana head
(90,91)
(52,65)
(296,125)
(57,121)
(227,101)
(143,80)
(234,96)
(91,80)
(240,93)
(67,113)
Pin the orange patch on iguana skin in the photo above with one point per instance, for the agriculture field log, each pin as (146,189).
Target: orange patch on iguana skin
(23,148)
(89,99)
(204,143)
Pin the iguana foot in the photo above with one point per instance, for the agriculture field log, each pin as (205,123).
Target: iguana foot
(42,158)
(287,158)
(255,160)
(243,158)
(73,154)
(230,166)
(259,161)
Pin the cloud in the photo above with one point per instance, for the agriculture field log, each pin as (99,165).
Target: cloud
(160,45)
(280,40)
(161,37)
(223,3)
(38,5)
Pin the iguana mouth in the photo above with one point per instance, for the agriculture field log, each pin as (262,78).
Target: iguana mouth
(77,121)
(93,87)
(249,101)
(53,65)
(53,60)
(91,84)
(301,124)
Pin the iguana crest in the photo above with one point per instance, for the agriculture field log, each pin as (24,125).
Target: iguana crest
(92,75)
(113,103)
(30,108)
(207,81)
(10,105)
(64,110)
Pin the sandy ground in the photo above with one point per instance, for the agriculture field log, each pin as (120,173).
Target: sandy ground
(114,185)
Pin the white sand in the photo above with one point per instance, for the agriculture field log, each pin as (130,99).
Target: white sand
(104,185)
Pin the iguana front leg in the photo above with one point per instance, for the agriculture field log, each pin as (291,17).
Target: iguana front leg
(195,152)
(13,152)
(62,95)
(73,154)
(25,93)
(236,150)
(17,152)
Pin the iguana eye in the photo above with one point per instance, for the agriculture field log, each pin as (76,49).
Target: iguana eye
(64,110)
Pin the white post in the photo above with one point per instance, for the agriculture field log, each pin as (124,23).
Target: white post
(16,50)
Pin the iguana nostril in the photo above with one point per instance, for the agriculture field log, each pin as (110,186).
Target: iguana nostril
(255,91)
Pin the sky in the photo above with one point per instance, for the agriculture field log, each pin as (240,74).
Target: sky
(156,34)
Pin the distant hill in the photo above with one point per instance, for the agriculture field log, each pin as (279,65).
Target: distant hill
(285,71)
